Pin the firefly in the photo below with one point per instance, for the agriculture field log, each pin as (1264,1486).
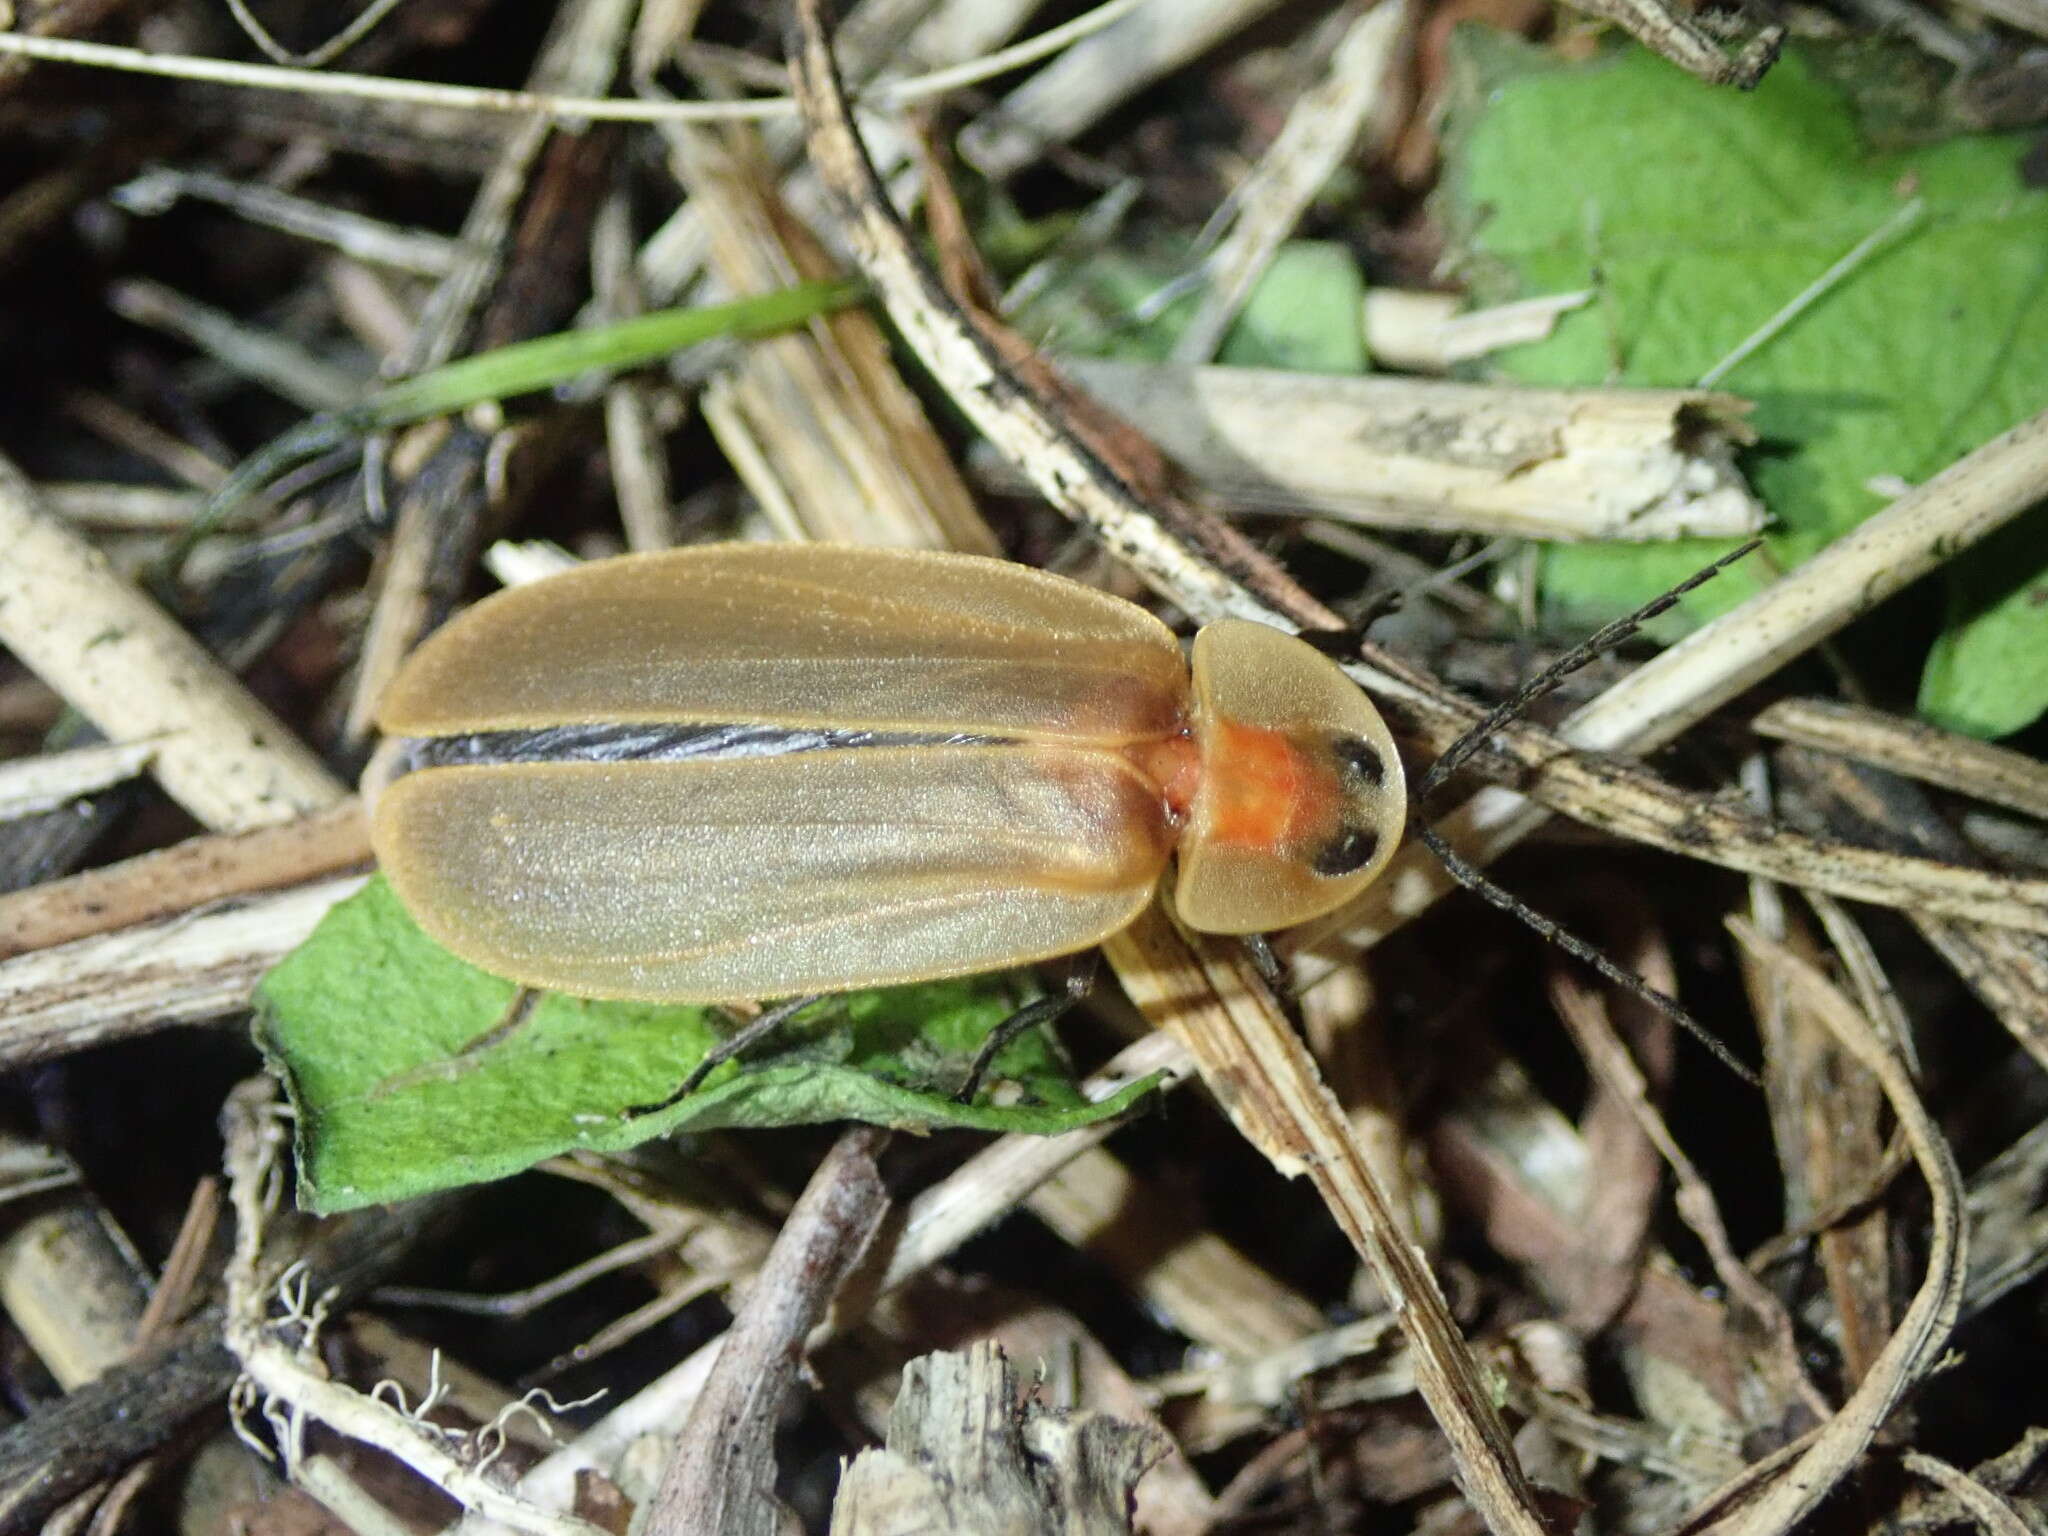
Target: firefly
(755,770)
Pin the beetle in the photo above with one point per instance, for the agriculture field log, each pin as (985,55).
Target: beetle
(753,770)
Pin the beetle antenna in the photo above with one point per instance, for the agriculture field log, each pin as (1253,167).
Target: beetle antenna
(1595,645)
(1473,878)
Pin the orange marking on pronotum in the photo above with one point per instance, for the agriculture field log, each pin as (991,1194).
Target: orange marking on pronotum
(1267,793)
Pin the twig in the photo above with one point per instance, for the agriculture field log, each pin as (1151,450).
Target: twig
(533,1297)
(1422,331)
(263,357)
(2005,968)
(368,240)
(188,1256)
(436,533)
(633,438)
(119,508)
(32,784)
(135,673)
(1685,43)
(1993,1511)
(338,1491)
(1928,526)
(137,1408)
(964,1455)
(1475,738)
(998,1177)
(182,878)
(1526,1179)
(819,423)
(1206,1287)
(1204,993)
(112,1422)
(128,428)
(1917,750)
(1622,797)
(721,1476)
(1083,459)
(359,27)
(2008,1227)
(1839,1108)
(177,970)
(1440,456)
(1089,82)
(73,1286)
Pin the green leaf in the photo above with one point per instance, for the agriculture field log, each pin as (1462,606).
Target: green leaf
(410,1071)
(1988,673)
(1697,213)
(1305,313)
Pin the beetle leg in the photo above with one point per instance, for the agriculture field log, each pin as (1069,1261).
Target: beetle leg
(510,1022)
(740,1041)
(1259,950)
(1040,1010)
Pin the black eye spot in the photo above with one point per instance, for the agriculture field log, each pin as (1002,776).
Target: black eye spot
(1360,757)
(1347,853)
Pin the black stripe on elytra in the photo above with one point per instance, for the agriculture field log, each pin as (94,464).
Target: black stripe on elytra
(613,743)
